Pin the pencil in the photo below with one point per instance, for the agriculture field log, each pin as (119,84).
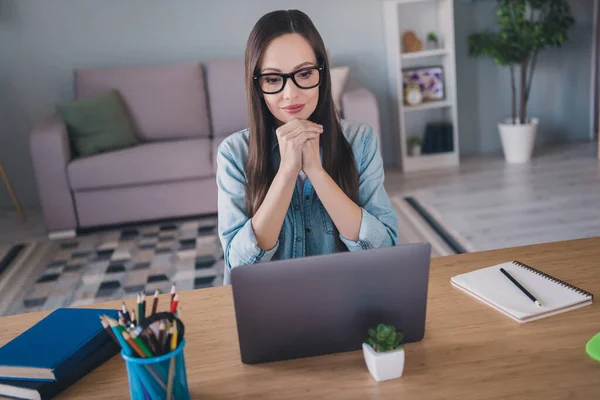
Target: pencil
(152,341)
(125,313)
(174,337)
(174,304)
(118,330)
(173,291)
(172,363)
(161,336)
(132,318)
(142,312)
(139,342)
(179,312)
(107,327)
(139,306)
(169,335)
(133,345)
(155,302)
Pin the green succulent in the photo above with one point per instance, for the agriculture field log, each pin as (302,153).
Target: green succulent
(384,338)
(432,37)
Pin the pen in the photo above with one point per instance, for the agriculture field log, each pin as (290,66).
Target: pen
(513,280)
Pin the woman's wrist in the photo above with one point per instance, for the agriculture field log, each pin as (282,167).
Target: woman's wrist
(287,172)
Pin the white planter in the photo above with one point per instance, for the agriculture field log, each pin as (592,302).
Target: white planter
(384,366)
(518,140)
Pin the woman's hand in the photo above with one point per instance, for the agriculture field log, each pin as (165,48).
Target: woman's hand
(311,156)
(292,138)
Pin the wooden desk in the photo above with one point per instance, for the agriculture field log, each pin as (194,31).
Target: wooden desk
(470,351)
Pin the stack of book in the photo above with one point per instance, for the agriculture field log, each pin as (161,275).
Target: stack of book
(55,353)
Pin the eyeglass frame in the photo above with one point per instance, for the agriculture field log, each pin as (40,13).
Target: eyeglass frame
(285,78)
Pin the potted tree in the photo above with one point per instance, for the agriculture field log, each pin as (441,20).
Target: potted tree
(526,27)
(384,352)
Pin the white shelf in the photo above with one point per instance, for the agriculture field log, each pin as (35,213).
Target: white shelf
(428,106)
(424,54)
(422,17)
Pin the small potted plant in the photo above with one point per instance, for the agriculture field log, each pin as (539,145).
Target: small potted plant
(413,144)
(384,352)
(432,41)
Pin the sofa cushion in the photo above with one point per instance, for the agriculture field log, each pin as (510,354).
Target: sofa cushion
(97,124)
(165,102)
(225,81)
(144,164)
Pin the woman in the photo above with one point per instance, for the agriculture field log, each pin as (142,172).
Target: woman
(299,181)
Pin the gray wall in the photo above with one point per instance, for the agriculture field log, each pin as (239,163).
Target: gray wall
(42,41)
(560,94)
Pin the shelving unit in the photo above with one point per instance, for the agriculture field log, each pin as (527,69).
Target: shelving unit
(422,16)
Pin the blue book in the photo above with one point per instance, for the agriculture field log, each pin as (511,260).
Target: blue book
(42,390)
(55,345)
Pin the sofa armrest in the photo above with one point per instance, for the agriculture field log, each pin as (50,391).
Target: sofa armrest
(360,104)
(51,154)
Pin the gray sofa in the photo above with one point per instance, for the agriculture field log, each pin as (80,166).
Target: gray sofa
(181,113)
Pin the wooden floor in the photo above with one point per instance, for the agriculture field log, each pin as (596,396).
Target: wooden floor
(486,202)
(491,204)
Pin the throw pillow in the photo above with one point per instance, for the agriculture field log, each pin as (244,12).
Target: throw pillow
(339,77)
(98,124)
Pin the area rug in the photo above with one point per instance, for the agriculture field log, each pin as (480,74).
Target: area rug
(119,263)
(419,222)
(112,264)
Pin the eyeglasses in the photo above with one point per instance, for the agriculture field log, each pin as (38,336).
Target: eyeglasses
(305,78)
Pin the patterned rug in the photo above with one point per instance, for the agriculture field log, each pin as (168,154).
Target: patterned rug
(113,265)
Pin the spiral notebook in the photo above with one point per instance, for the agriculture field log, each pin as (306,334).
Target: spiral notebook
(490,286)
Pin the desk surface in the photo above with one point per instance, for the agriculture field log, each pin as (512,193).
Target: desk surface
(470,351)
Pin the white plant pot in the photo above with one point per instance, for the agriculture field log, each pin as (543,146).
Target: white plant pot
(518,140)
(384,366)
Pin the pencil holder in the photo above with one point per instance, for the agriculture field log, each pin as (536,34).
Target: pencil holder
(162,377)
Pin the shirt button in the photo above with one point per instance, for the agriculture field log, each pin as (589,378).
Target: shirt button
(308,230)
(307,197)
(296,207)
(298,239)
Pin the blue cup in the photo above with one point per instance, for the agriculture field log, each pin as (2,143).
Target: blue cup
(158,378)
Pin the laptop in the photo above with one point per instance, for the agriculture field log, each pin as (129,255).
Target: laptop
(309,306)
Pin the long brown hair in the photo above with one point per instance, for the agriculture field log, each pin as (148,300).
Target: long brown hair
(338,159)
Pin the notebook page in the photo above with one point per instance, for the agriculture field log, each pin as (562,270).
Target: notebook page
(490,284)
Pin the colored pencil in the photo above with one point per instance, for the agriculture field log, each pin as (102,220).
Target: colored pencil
(125,313)
(132,318)
(139,306)
(151,341)
(161,336)
(155,302)
(172,363)
(174,304)
(139,342)
(169,335)
(173,291)
(118,331)
(142,312)
(179,312)
(133,345)
(107,327)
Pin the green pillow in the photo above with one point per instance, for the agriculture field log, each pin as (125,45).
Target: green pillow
(98,124)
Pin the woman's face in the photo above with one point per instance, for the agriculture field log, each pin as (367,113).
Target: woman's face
(285,54)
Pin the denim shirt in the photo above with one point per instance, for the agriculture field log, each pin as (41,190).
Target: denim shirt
(307,228)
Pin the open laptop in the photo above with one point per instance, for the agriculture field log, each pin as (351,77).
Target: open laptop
(325,304)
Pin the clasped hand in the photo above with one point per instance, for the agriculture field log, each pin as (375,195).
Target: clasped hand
(299,146)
